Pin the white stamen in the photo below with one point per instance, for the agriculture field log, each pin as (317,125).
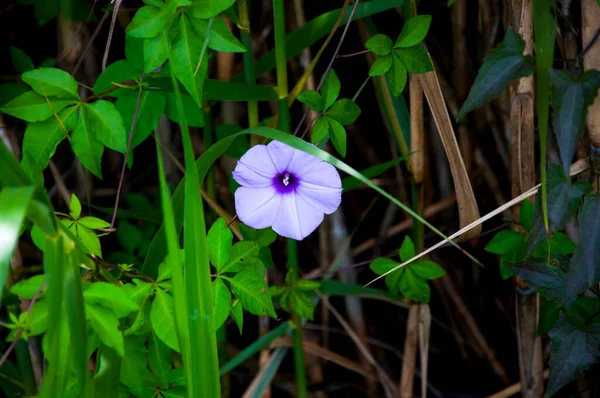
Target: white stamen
(286,179)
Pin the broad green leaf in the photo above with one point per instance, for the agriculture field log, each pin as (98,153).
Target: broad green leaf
(584,270)
(220,240)
(407,250)
(380,44)
(150,21)
(74,207)
(237,314)
(504,64)
(89,239)
(563,197)
(330,89)
(159,358)
(162,319)
(546,279)
(253,293)
(415,59)
(264,236)
(344,111)
(52,82)
(337,133)
(134,363)
(107,125)
(413,287)
(312,99)
(221,38)
(240,146)
(573,350)
(397,76)
(106,325)
(222,302)
(13,207)
(151,108)
(10,91)
(381,65)
(349,183)
(427,269)
(108,369)
(32,107)
(38,318)
(109,296)
(508,243)
(21,61)
(320,129)
(382,265)
(156,51)
(240,252)
(134,52)
(185,53)
(303,304)
(414,31)
(28,287)
(193,113)
(549,313)
(85,145)
(129,236)
(117,72)
(570,101)
(93,222)
(209,8)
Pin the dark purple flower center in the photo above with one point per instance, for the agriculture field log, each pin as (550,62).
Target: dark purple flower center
(285,182)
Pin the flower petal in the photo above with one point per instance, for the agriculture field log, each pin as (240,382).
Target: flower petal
(325,175)
(257,207)
(325,199)
(281,154)
(302,163)
(257,159)
(248,176)
(296,218)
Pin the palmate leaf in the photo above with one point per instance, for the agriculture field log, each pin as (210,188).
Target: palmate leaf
(151,107)
(414,31)
(338,135)
(253,293)
(149,21)
(220,239)
(86,146)
(415,59)
(546,279)
(163,320)
(52,82)
(32,107)
(505,63)
(380,44)
(573,350)
(330,90)
(209,8)
(239,254)
(221,38)
(156,51)
(222,302)
(397,76)
(106,124)
(344,110)
(159,359)
(109,296)
(106,325)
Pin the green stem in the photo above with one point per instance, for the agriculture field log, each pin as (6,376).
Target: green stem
(284,125)
(244,25)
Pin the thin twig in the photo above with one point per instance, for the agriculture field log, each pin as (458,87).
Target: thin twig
(90,42)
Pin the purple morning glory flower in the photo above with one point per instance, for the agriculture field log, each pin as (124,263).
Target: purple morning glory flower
(284,188)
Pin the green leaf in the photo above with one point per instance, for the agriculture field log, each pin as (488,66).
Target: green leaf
(13,207)
(240,253)
(75,207)
(108,369)
(381,65)
(106,325)
(504,64)
(413,287)
(337,134)
(382,265)
(237,313)
(330,89)
(38,318)
(306,284)
(89,239)
(264,236)
(584,270)
(117,72)
(563,197)
(185,54)
(52,82)
(220,240)
(150,21)
(159,359)
(303,304)
(573,350)
(397,76)
(414,31)
(320,129)
(407,250)
(93,222)
(344,111)
(151,108)
(134,363)
(549,313)
(240,146)
(109,296)
(221,38)
(570,100)
(546,279)
(312,99)
(509,244)
(134,52)
(156,51)
(28,287)
(222,302)
(10,91)
(427,269)
(253,293)
(86,147)
(21,61)
(380,44)
(505,272)
(107,125)
(162,319)
(32,107)
(209,8)
(526,214)
(349,183)
(191,110)
(415,59)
